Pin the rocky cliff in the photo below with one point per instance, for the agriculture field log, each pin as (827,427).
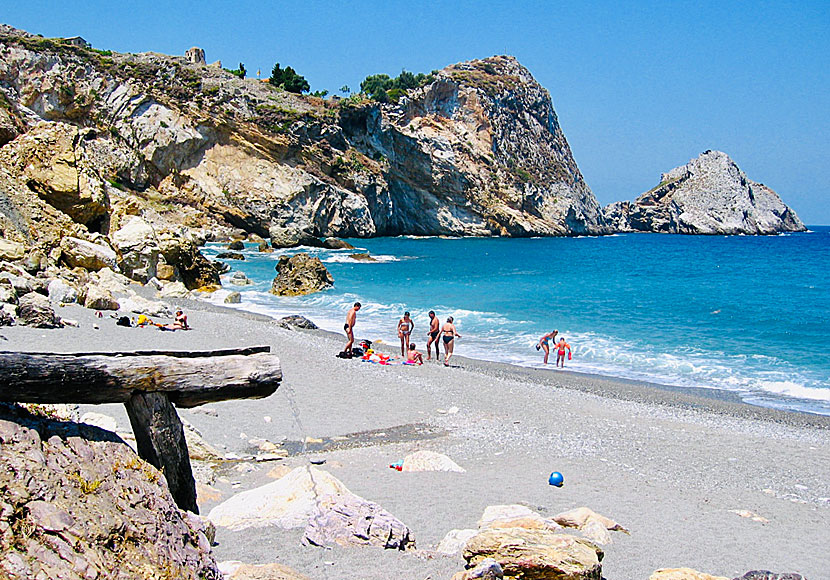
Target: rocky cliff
(708,195)
(97,136)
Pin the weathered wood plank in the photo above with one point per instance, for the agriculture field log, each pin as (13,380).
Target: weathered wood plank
(188,382)
(159,438)
(174,353)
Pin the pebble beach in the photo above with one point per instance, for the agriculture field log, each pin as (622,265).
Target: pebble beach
(699,478)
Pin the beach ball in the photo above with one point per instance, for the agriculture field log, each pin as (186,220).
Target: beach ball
(556,479)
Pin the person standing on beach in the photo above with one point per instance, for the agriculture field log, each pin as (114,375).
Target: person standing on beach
(449,336)
(544,343)
(561,346)
(432,335)
(405,327)
(351,319)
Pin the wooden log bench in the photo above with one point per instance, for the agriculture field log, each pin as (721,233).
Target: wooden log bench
(149,383)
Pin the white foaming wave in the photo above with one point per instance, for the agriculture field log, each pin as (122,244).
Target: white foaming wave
(492,336)
(345,258)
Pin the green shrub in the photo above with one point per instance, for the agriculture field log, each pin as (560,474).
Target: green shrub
(288,79)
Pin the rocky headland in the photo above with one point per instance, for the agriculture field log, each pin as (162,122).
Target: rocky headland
(708,195)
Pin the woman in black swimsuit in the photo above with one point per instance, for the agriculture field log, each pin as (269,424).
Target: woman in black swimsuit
(449,336)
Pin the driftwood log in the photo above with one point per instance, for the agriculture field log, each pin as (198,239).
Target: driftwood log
(149,383)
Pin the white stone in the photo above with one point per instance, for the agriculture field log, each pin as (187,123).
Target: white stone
(100,420)
(285,503)
(454,541)
(430,461)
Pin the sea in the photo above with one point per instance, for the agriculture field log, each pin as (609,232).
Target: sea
(745,314)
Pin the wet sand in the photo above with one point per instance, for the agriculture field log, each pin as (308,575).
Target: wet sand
(670,464)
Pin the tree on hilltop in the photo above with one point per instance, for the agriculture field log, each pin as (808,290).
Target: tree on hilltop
(384,88)
(288,79)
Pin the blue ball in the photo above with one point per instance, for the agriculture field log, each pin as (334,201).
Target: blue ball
(556,479)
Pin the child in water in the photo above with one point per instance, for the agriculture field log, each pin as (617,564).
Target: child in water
(561,347)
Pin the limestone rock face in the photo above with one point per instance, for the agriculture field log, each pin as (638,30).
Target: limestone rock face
(708,195)
(76,502)
(300,274)
(478,151)
(536,554)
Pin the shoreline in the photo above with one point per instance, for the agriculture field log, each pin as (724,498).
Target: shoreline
(671,466)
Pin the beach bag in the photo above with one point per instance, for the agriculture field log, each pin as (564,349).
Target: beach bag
(123,321)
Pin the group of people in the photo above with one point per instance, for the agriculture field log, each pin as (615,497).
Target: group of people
(447,333)
(561,347)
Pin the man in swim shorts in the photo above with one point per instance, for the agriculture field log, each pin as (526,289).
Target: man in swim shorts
(405,326)
(432,335)
(544,343)
(561,346)
(351,319)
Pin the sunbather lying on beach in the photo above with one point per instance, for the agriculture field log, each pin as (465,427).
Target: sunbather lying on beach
(179,323)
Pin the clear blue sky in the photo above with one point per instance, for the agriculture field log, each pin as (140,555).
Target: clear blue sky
(639,87)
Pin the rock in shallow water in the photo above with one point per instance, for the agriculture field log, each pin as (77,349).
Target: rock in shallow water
(300,274)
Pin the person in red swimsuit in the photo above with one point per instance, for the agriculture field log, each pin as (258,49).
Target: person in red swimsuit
(561,347)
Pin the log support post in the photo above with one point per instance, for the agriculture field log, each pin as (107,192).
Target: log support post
(159,438)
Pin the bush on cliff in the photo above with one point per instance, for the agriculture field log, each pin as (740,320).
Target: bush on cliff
(383,88)
(288,79)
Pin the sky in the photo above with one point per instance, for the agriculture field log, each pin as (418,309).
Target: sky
(639,87)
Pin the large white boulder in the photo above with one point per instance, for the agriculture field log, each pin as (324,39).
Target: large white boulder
(83,254)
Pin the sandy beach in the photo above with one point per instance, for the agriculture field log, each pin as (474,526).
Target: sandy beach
(672,465)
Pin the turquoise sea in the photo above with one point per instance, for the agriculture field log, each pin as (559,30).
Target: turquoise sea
(742,313)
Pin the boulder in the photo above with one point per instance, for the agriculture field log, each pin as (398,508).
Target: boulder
(174,290)
(138,245)
(78,503)
(165,272)
(236,245)
(61,292)
(297,321)
(337,244)
(112,281)
(100,420)
(348,520)
(79,253)
(309,241)
(594,525)
(284,237)
(362,257)
(35,310)
(682,574)
(98,298)
(35,261)
(300,274)
(230,256)
(195,270)
(233,298)
(536,554)
(454,541)
(7,316)
(265,248)
(236,570)
(21,284)
(8,295)
(514,516)
(11,250)
(287,503)
(430,461)
(487,569)
(240,279)
(139,305)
